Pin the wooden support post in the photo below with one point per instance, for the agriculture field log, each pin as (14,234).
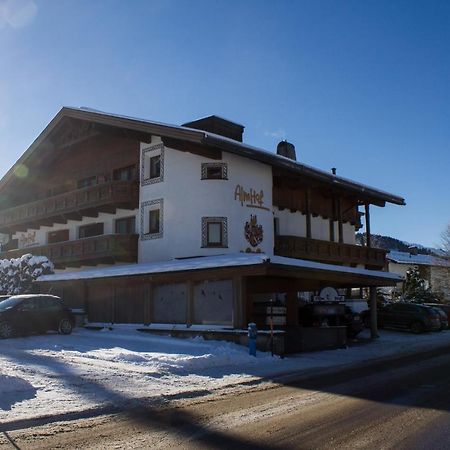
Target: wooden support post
(340,224)
(308,212)
(148,303)
(190,303)
(291,309)
(239,302)
(373,312)
(368,239)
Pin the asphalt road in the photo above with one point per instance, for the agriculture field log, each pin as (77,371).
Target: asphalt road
(401,404)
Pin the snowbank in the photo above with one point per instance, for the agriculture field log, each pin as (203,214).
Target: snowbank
(92,369)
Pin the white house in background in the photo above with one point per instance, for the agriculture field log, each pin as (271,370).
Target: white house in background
(434,270)
(104,191)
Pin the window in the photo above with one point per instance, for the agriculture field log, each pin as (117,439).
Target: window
(127,225)
(86,182)
(152,164)
(152,219)
(214,232)
(57,236)
(155,167)
(94,229)
(214,171)
(124,173)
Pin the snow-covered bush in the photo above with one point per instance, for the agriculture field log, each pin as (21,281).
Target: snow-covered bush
(17,274)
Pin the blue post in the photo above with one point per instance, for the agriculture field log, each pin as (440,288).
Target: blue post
(252,334)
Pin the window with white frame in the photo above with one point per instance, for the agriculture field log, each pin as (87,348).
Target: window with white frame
(152,219)
(214,232)
(152,164)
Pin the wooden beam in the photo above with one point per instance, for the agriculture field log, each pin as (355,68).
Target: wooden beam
(373,312)
(368,237)
(308,212)
(340,224)
(190,303)
(239,302)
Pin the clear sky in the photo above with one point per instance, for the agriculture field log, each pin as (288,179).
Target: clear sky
(363,86)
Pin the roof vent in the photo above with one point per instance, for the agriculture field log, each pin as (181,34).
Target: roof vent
(218,125)
(286,149)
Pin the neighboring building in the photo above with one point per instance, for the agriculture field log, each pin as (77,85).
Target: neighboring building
(210,227)
(435,271)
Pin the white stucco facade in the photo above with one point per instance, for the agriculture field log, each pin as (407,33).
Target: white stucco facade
(184,199)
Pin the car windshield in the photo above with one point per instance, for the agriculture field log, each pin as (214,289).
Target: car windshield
(9,303)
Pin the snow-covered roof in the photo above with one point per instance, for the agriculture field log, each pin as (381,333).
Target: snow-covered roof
(408,258)
(211,262)
(209,139)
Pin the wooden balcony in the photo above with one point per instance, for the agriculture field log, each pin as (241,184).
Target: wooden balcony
(329,252)
(105,249)
(73,205)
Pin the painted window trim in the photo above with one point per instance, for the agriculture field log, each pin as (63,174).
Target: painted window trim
(157,149)
(223,167)
(224,223)
(145,209)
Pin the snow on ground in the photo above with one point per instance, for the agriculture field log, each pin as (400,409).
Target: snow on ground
(53,374)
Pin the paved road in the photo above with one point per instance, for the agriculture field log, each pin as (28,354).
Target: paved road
(403,404)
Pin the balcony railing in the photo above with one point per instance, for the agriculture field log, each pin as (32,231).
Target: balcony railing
(89,201)
(329,252)
(106,249)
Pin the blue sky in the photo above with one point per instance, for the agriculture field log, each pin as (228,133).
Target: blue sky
(363,86)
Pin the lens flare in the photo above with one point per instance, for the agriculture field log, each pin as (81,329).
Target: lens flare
(21,171)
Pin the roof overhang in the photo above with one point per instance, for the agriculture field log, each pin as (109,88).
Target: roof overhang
(240,264)
(208,140)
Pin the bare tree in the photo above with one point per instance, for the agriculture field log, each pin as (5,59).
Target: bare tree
(445,237)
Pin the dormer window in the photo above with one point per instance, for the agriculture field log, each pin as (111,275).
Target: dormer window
(214,171)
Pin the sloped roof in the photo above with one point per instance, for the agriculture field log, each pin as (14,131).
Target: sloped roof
(408,258)
(207,139)
(215,262)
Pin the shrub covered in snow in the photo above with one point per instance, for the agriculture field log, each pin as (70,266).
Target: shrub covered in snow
(17,274)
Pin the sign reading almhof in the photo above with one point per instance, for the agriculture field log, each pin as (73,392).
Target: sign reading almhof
(251,198)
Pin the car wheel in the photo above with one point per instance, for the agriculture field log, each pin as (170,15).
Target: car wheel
(6,330)
(417,327)
(65,326)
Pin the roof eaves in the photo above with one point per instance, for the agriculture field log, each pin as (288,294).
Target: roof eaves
(281,161)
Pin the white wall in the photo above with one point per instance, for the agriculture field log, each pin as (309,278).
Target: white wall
(187,198)
(294,224)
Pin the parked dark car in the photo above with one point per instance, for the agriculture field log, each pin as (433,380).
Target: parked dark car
(442,317)
(410,316)
(24,314)
(444,306)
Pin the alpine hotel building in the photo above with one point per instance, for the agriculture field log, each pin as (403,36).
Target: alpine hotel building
(150,223)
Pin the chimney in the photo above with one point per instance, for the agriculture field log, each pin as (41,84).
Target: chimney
(218,125)
(286,149)
(333,170)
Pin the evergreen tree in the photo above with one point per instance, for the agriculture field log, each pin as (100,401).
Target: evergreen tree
(18,274)
(415,288)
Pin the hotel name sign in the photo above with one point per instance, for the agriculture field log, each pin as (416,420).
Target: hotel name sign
(251,198)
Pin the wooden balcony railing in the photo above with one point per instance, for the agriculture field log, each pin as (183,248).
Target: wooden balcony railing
(329,252)
(106,249)
(73,205)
